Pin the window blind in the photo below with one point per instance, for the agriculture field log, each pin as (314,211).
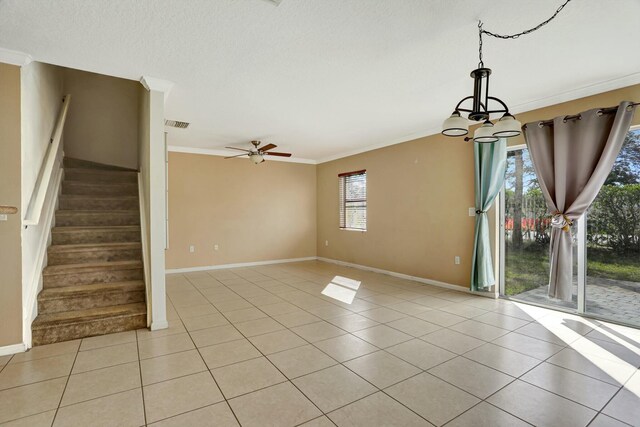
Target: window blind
(353,200)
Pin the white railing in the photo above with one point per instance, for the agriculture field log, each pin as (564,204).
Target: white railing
(36,202)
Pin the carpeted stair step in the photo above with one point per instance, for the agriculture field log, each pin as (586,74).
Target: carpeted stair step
(65,326)
(72,163)
(80,235)
(90,273)
(91,253)
(101,203)
(84,297)
(100,175)
(99,188)
(104,218)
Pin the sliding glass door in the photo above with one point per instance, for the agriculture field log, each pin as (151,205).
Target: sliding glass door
(606,240)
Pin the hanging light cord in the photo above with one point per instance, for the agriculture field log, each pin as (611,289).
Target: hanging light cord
(482,31)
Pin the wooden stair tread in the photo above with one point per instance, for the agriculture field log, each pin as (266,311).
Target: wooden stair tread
(100,171)
(79,316)
(88,267)
(73,163)
(89,247)
(76,290)
(73,212)
(81,228)
(97,196)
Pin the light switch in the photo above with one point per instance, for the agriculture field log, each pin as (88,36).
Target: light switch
(3,217)
(472,211)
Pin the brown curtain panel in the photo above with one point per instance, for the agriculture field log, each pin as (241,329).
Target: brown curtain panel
(572,159)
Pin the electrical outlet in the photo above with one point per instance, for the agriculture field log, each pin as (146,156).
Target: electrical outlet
(192,249)
(456,260)
(472,211)
(326,243)
(216,247)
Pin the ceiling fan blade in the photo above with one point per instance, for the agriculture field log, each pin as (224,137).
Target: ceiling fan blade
(268,147)
(236,148)
(273,153)
(239,155)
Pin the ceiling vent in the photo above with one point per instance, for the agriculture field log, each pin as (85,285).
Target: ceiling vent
(176,124)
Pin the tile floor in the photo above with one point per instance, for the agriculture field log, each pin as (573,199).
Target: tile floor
(264,347)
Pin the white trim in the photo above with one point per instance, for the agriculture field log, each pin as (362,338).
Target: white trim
(403,276)
(145,249)
(223,153)
(156,84)
(30,296)
(12,349)
(39,192)
(155,326)
(582,92)
(524,107)
(237,265)
(14,57)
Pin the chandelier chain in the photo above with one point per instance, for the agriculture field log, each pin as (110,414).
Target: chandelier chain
(482,31)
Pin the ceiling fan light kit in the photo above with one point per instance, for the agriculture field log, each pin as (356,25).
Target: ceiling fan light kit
(256,155)
(482,105)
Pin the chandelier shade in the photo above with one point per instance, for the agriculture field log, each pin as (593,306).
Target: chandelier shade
(455,125)
(484,134)
(507,127)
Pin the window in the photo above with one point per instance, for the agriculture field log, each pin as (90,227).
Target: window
(353,200)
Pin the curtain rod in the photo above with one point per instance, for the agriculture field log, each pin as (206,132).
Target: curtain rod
(578,116)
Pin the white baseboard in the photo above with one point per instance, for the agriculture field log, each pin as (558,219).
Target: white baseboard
(338,262)
(399,275)
(159,325)
(237,265)
(13,349)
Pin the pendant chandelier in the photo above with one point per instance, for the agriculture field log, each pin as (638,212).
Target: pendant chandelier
(483,106)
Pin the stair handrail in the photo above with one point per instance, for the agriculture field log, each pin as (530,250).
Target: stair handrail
(36,202)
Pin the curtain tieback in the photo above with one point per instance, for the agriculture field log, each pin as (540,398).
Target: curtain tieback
(560,220)
(478,212)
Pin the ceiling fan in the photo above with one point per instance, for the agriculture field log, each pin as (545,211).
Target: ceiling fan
(256,155)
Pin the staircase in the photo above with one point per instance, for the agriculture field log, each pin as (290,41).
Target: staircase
(93,283)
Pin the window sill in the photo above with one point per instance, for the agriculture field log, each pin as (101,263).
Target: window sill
(352,229)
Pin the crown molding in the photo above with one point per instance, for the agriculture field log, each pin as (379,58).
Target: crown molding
(225,153)
(15,57)
(156,84)
(571,95)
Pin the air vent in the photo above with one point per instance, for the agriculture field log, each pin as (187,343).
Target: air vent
(176,124)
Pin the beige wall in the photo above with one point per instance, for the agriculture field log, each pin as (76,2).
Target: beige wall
(10,258)
(102,125)
(253,212)
(418,196)
(41,86)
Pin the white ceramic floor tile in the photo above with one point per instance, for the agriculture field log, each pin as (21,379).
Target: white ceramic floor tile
(420,353)
(572,385)
(377,410)
(333,387)
(540,407)
(472,377)
(486,415)
(440,404)
(281,404)
(382,369)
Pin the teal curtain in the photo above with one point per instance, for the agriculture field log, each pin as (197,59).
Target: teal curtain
(490,168)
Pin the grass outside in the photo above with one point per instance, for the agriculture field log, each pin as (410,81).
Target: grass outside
(528,268)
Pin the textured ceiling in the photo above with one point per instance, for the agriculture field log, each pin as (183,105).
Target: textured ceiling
(322,78)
